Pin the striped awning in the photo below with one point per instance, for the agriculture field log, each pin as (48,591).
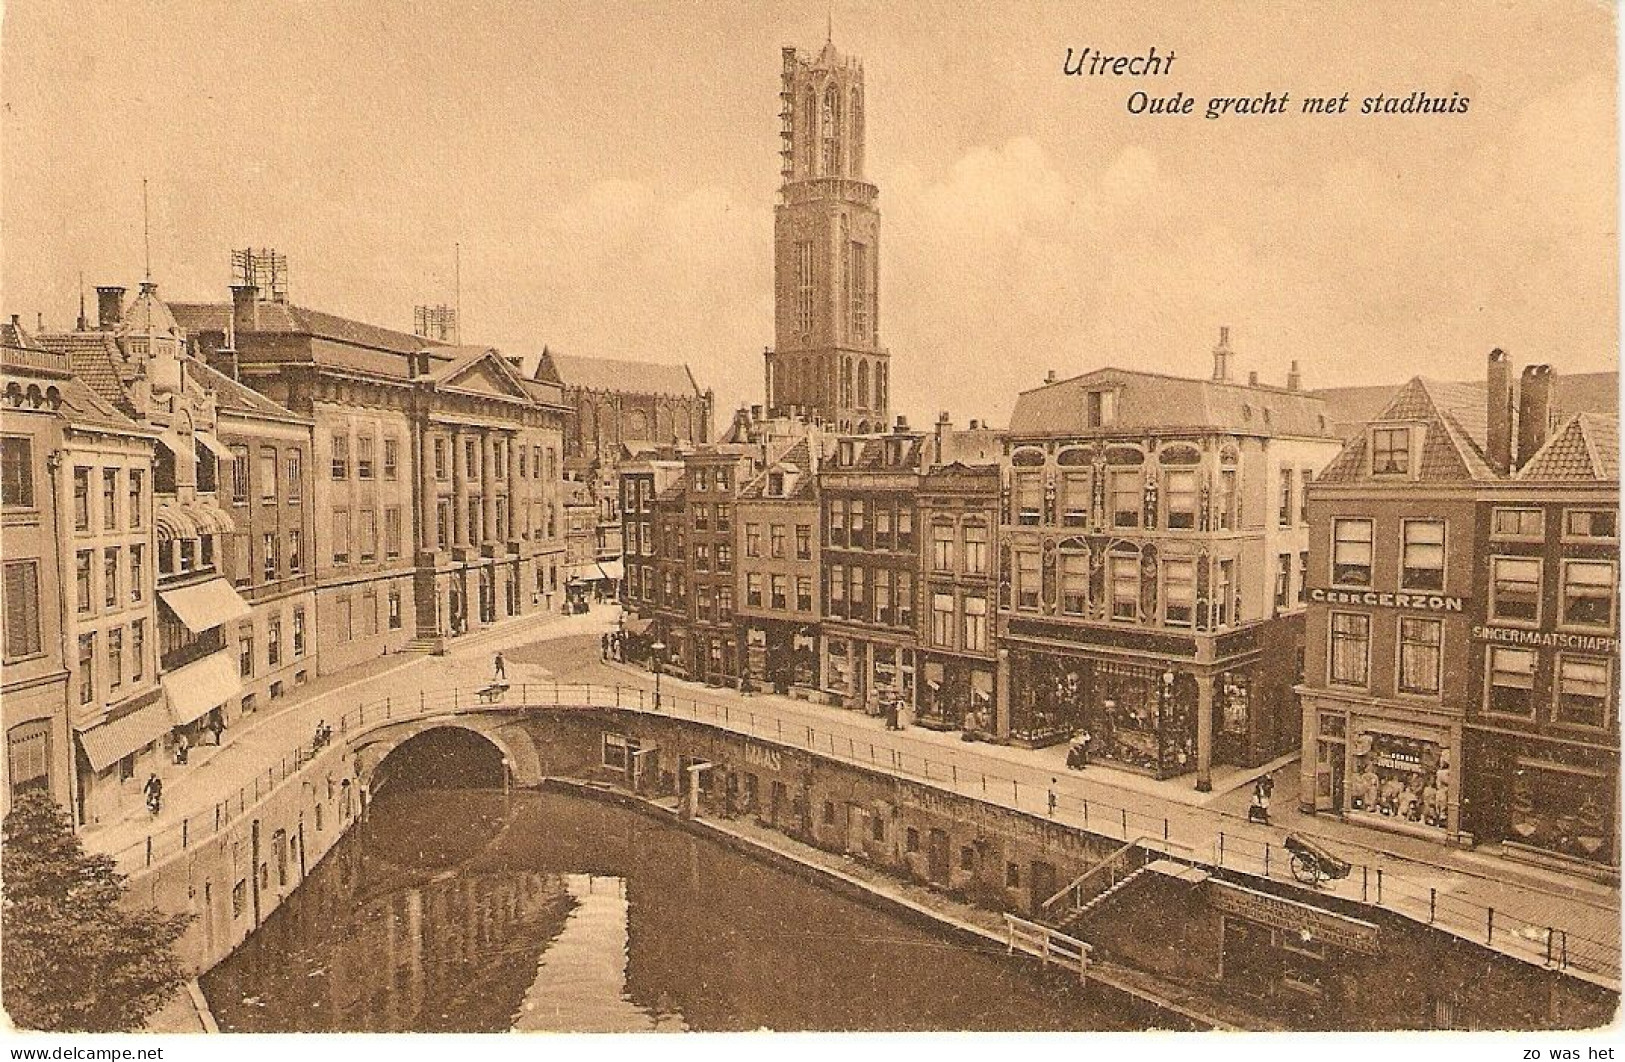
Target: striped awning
(201,686)
(210,518)
(110,742)
(173,523)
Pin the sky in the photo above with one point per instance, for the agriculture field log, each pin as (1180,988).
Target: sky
(609,170)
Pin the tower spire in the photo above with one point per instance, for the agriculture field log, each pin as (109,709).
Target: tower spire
(84,322)
(829,23)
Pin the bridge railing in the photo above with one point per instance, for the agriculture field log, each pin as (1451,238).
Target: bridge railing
(1519,931)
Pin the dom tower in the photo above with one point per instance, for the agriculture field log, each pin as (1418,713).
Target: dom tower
(828,363)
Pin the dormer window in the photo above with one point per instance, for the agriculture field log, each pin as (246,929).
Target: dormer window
(1390,451)
(1100,408)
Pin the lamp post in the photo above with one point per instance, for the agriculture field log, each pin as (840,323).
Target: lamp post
(656,651)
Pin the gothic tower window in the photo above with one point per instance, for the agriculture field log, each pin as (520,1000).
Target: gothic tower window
(809,113)
(855,166)
(858,286)
(831,125)
(804,285)
(863,384)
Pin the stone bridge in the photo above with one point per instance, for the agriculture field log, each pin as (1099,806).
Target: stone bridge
(504,727)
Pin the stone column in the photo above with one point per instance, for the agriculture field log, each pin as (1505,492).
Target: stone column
(1204,733)
(459,490)
(488,485)
(424,484)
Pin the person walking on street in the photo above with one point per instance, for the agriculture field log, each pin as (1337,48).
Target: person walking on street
(155,793)
(1052,800)
(500,666)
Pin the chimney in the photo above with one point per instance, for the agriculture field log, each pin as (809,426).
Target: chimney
(517,362)
(975,425)
(1498,432)
(1221,356)
(902,424)
(245,308)
(1049,377)
(755,413)
(1534,410)
(109,306)
(1294,379)
(1252,378)
(942,418)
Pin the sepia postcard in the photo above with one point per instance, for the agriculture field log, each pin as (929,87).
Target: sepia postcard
(620,516)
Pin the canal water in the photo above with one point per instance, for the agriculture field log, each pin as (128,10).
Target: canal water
(468,911)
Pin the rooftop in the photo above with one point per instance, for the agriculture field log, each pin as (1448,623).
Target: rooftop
(1153,401)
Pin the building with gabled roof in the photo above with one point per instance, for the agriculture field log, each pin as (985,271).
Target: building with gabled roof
(1462,641)
(83,708)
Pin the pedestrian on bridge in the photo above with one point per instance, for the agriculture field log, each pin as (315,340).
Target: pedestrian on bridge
(500,666)
(1052,800)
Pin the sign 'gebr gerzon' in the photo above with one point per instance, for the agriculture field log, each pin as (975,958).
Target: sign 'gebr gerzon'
(1384,599)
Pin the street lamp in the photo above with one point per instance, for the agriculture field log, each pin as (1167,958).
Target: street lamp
(657,650)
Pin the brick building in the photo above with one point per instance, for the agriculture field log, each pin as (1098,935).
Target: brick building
(870,559)
(1462,639)
(1151,558)
(778,591)
(80,676)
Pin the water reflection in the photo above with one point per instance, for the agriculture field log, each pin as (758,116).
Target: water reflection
(461,912)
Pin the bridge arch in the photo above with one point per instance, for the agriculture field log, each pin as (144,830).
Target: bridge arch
(504,739)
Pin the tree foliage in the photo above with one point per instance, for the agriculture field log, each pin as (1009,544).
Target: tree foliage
(76,958)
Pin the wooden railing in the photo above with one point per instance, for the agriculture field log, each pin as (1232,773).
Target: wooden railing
(1049,945)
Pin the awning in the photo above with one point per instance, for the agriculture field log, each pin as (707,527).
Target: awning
(210,518)
(204,606)
(610,569)
(634,625)
(111,742)
(201,686)
(214,445)
(173,523)
(588,572)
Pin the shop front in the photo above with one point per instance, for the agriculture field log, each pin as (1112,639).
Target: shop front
(865,675)
(954,688)
(1400,775)
(779,656)
(1138,716)
(1545,797)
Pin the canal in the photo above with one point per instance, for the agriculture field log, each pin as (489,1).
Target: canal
(467,911)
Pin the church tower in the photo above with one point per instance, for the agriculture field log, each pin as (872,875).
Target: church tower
(827,361)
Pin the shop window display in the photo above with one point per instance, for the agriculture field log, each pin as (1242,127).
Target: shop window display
(1407,779)
(1562,809)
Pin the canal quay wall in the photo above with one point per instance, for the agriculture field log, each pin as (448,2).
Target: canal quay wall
(231,881)
(1224,940)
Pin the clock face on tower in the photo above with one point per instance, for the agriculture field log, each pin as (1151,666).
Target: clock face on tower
(828,363)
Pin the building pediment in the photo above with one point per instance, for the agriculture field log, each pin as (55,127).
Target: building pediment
(485,373)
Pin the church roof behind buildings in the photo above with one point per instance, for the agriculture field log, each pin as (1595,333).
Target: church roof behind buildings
(627,377)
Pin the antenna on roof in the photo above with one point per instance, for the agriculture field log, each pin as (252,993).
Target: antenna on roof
(84,323)
(146,230)
(457,285)
(829,26)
